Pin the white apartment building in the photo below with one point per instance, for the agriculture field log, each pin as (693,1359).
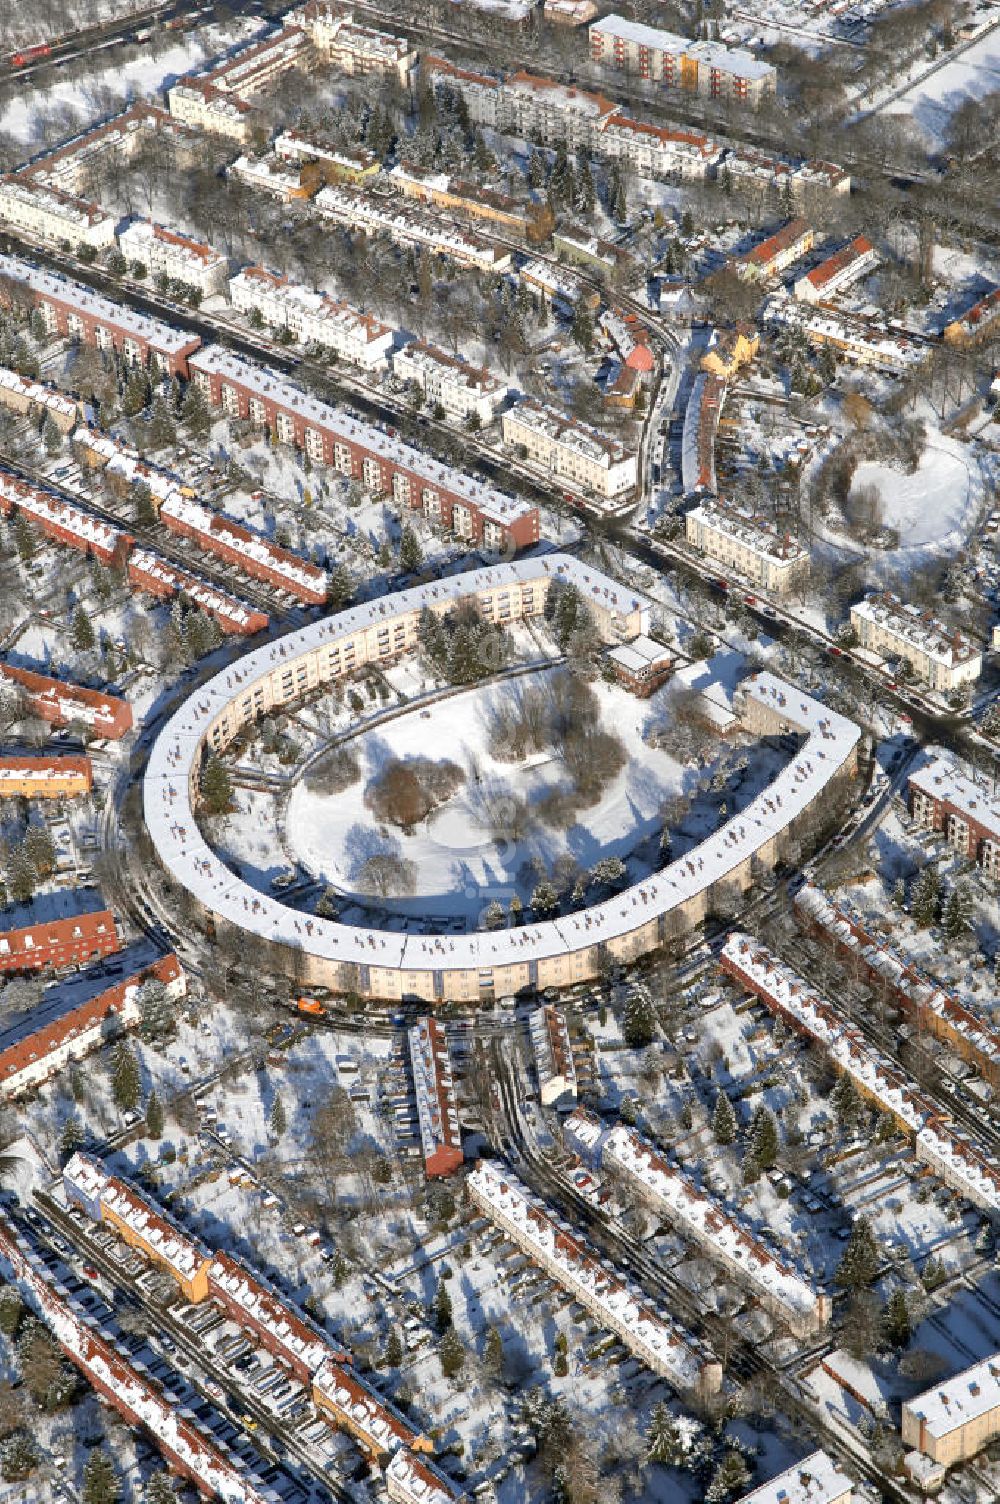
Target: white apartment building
(749,546)
(651,1336)
(195,102)
(553,1052)
(462,390)
(865,341)
(313,318)
(352,47)
(409,224)
(838,272)
(539,107)
(941,656)
(657,151)
(578,454)
(706,1223)
(663,57)
(50,214)
(269,174)
(165,253)
(817,1479)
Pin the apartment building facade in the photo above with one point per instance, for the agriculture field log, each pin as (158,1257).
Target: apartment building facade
(163,252)
(49,214)
(771,560)
(33,775)
(942,798)
(939,655)
(461,390)
(60,940)
(384,464)
(774,255)
(838,272)
(63,704)
(74,311)
(676,62)
(958,1417)
(579,455)
(313,318)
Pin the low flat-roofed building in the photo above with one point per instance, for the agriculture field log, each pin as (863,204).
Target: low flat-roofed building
(752,547)
(553,1052)
(956,1418)
(839,271)
(437,1108)
(641,665)
(771,256)
(941,656)
(817,1479)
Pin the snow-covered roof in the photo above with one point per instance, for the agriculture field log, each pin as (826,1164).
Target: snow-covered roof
(942,781)
(817,1479)
(919,629)
(287,1329)
(559,428)
(181,1253)
(843,266)
(35,392)
(414,1481)
(728,59)
(640,655)
(954,1402)
(211,526)
(142,236)
(555,281)
(701,422)
(676,1195)
(381,1424)
(256,285)
(76,213)
(754,533)
(874,341)
(91,304)
(183,850)
(563,98)
(409,221)
(437,1108)
(48,511)
(853,932)
(765,253)
(606,1294)
(131,1394)
(550,1042)
(429,361)
(211,598)
(215,360)
(881,1078)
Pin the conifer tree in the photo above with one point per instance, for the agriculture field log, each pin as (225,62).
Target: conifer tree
(859,1266)
(154,1116)
(278,1121)
(724,1120)
(125,1082)
(896,1322)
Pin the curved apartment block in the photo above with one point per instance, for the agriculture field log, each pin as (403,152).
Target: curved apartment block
(436,968)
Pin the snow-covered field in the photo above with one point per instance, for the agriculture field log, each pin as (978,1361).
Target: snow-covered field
(122,79)
(934,99)
(932,509)
(455,852)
